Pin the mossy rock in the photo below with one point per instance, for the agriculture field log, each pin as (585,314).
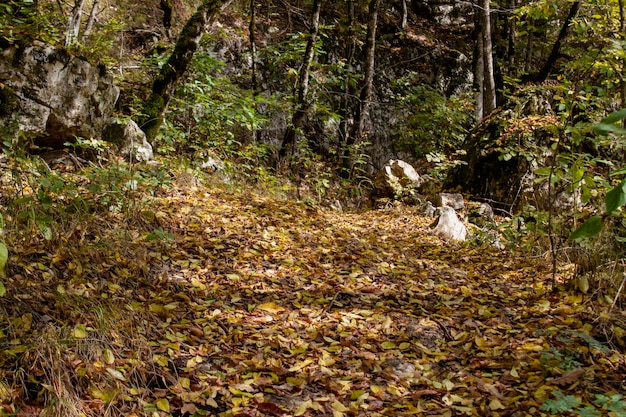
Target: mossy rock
(9,101)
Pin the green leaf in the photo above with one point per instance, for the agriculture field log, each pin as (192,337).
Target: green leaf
(616,197)
(4,257)
(561,403)
(608,124)
(590,228)
(615,117)
(588,412)
(3,290)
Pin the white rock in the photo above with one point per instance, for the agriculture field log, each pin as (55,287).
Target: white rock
(449,226)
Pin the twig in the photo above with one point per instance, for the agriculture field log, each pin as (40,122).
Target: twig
(621,286)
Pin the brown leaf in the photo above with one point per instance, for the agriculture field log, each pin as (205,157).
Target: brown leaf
(188,408)
(569,378)
(270,408)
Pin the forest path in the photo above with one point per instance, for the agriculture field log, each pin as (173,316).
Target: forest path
(238,304)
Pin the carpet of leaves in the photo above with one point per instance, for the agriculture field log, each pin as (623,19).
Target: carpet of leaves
(220,302)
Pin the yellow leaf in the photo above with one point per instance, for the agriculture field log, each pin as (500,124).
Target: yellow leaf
(337,406)
(388,345)
(80,331)
(109,357)
(376,389)
(116,374)
(480,342)
(184,382)
(301,365)
(495,404)
(302,408)
(161,360)
(270,307)
(162,404)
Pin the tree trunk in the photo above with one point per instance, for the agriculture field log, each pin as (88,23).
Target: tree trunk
(252,30)
(73,23)
(368,76)
(489,84)
(167,7)
(405,14)
(165,84)
(365,98)
(90,20)
(479,76)
(302,104)
(555,54)
(511,41)
(622,28)
(348,93)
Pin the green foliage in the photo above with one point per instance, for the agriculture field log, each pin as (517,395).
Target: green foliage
(433,123)
(4,257)
(561,403)
(615,197)
(211,112)
(25,20)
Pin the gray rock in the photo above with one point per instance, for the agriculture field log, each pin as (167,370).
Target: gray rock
(213,165)
(480,214)
(455,201)
(395,178)
(58,96)
(130,138)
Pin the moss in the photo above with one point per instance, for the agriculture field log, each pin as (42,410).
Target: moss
(9,101)
(152,116)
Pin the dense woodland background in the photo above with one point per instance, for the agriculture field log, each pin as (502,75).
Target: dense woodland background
(518,104)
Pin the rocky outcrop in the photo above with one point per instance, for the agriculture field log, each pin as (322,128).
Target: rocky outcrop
(53,96)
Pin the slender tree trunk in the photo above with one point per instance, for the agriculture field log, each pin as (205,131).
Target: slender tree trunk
(302,104)
(365,97)
(489,85)
(73,23)
(347,99)
(171,73)
(511,41)
(547,68)
(405,14)
(479,77)
(368,76)
(252,30)
(622,28)
(167,7)
(256,134)
(530,44)
(90,20)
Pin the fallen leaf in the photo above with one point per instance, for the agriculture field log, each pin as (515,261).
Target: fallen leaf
(569,378)
(270,307)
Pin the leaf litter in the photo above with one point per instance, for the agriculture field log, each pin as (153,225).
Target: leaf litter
(247,305)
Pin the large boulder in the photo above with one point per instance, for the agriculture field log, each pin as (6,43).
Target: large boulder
(54,96)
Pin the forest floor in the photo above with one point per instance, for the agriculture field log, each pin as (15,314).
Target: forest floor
(212,301)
